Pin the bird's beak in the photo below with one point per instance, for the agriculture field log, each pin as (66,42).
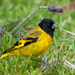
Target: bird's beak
(54,26)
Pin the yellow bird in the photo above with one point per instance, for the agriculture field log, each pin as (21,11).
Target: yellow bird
(35,42)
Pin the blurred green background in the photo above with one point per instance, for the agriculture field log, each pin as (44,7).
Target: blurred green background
(12,12)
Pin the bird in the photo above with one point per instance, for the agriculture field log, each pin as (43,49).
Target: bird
(35,42)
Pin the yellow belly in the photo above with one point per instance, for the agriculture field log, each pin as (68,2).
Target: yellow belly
(37,48)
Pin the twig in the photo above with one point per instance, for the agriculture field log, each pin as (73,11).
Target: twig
(51,8)
(68,31)
(65,39)
(61,46)
(69,64)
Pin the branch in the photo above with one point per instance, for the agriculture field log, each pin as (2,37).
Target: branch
(68,31)
(51,8)
(69,64)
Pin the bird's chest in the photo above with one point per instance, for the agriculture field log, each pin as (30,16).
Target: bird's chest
(43,44)
(39,47)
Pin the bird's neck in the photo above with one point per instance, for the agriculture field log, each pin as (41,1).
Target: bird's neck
(47,30)
(50,32)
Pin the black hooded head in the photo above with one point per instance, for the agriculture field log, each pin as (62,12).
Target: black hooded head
(48,26)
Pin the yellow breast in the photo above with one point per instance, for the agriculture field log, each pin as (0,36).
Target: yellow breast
(39,47)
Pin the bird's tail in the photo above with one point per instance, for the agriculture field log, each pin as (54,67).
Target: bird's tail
(4,54)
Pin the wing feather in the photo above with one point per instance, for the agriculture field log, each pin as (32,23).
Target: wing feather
(29,38)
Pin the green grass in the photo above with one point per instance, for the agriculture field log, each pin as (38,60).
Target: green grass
(12,12)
